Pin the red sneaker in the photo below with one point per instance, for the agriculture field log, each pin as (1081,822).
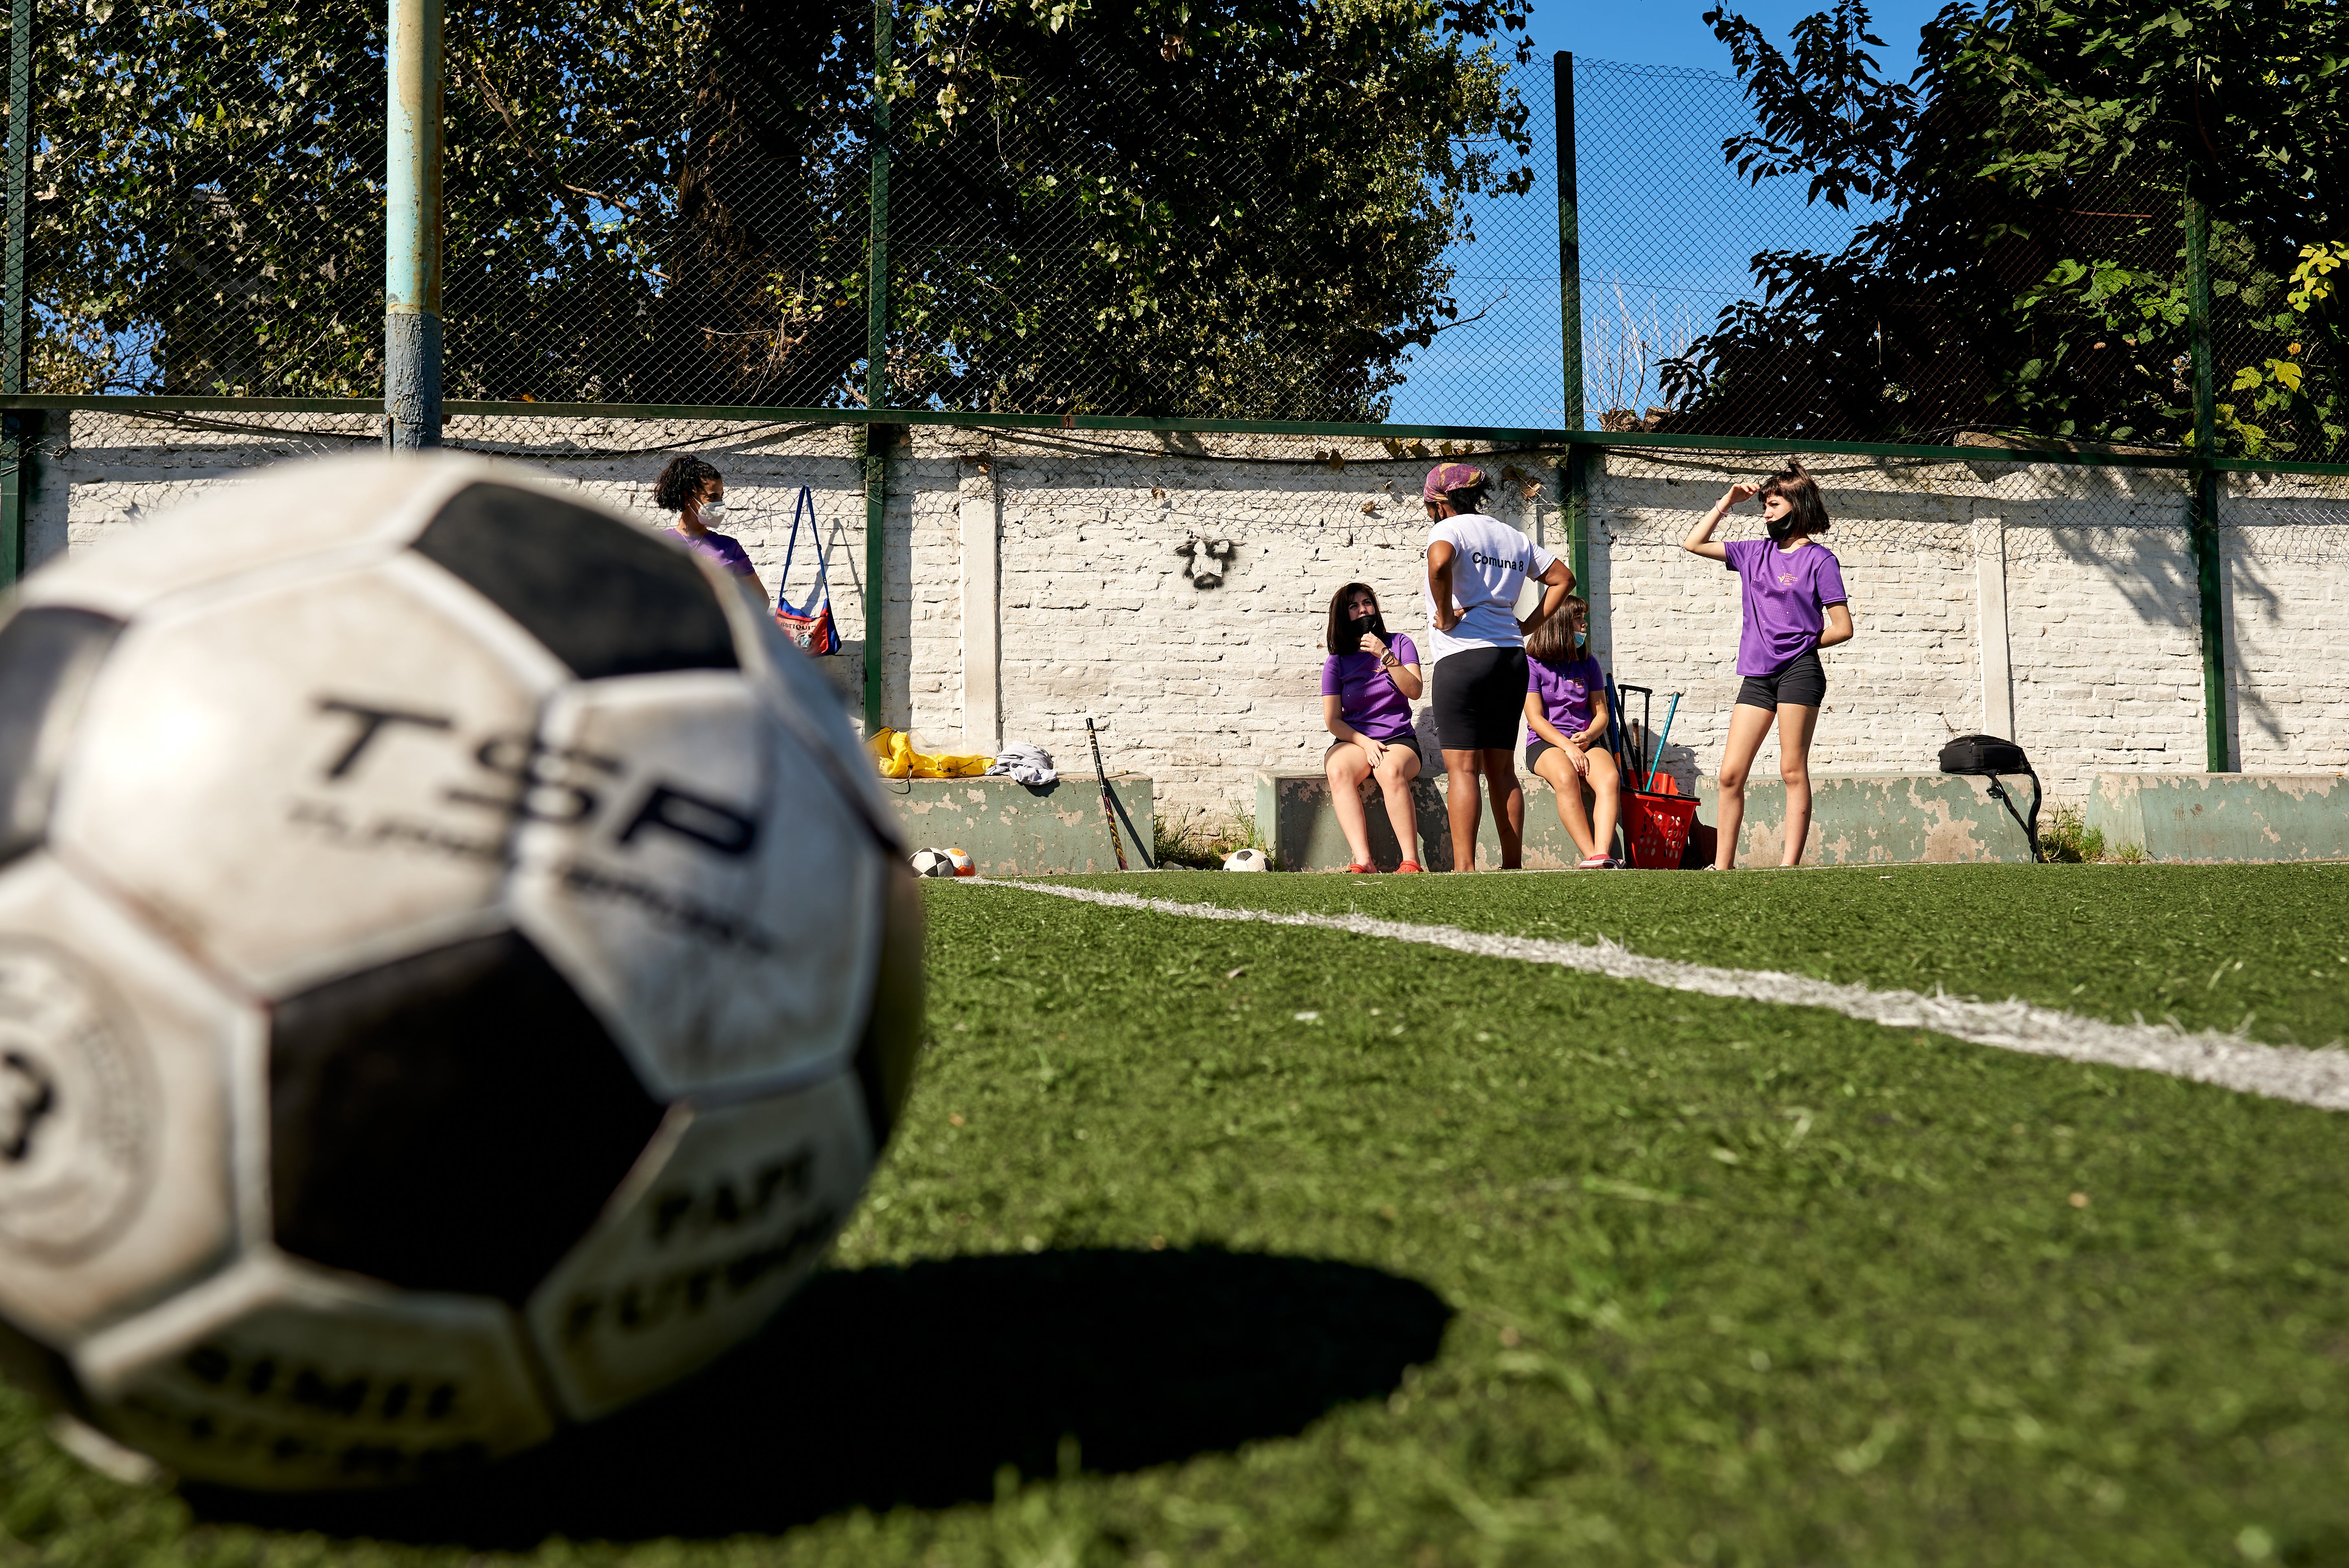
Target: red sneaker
(1409,866)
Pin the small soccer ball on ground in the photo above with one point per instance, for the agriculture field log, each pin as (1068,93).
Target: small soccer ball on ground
(1249,860)
(963,865)
(415,1033)
(931,863)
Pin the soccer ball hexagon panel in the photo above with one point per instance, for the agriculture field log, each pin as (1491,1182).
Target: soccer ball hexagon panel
(703,880)
(117,1120)
(384,905)
(721,1221)
(277,1377)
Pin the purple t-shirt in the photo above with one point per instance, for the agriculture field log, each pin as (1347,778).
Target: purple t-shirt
(1367,699)
(1567,691)
(1787,596)
(719,549)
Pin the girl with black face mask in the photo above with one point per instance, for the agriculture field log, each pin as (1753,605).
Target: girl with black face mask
(1368,686)
(1794,606)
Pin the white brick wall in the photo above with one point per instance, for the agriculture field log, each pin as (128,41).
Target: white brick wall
(1202,687)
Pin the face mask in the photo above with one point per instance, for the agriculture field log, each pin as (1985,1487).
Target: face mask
(1782,527)
(1373,622)
(713,510)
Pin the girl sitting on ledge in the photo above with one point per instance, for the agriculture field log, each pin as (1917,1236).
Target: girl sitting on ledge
(1566,714)
(1368,686)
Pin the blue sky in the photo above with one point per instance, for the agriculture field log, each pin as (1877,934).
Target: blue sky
(1649,33)
(1667,230)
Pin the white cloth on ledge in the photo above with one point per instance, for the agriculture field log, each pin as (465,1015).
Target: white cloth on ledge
(1026,764)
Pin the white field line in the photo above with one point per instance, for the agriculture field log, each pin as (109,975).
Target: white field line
(2317,1077)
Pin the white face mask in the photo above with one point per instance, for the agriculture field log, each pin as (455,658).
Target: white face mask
(712,510)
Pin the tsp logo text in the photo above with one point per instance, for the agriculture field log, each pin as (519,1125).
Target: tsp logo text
(529,780)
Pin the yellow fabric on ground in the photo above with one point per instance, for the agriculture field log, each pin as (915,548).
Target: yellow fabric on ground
(893,751)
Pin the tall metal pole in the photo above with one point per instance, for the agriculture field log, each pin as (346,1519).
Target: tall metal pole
(2204,518)
(1569,239)
(1569,323)
(411,230)
(20,429)
(876,374)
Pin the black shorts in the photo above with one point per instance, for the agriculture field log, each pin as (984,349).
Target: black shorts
(1802,682)
(1480,699)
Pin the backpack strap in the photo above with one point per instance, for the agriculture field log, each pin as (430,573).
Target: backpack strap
(803,506)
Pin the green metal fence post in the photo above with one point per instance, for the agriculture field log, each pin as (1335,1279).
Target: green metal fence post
(1577,475)
(2204,518)
(876,373)
(411,230)
(1569,240)
(20,429)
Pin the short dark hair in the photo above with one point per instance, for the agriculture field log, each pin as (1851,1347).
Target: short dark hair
(1552,642)
(1807,506)
(1342,639)
(681,483)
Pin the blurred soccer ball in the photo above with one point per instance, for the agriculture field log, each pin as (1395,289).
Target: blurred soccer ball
(1249,859)
(456,974)
(963,866)
(931,863)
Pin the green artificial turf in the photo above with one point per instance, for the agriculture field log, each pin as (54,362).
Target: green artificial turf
(2262,949)
(1220,1243)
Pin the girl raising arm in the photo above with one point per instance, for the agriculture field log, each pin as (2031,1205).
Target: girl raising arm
(1794,605)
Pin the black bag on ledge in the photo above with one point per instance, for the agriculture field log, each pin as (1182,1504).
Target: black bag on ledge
(1987,757)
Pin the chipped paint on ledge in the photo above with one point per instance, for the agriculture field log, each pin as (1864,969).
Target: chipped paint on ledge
(1009,829)
(2207,817)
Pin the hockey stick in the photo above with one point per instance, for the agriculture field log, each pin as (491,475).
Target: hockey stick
(1109,803)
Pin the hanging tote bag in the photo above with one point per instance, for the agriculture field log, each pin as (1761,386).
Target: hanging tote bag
(811,628)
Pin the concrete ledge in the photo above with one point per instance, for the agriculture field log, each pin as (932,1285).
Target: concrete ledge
(2206,817)
(1293,818)
(1884,819)
(1013,829)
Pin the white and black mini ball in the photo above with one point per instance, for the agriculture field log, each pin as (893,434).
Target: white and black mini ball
(932,863)
(1249,859)
(419,1025)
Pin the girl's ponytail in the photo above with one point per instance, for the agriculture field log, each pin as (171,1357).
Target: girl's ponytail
(1807,509)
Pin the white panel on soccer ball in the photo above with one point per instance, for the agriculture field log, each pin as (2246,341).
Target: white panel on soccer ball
(302,778)
(700,880)
(726,1214)
(346,509)
(278,1378)
(118,1062)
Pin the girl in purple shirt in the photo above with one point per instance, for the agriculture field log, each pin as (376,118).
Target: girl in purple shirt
(1368,686)
(1794,606)
(693,490)
(1566,711)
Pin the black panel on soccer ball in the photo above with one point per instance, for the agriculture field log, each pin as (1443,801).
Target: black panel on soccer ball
(893,1029)
(452,1121)
(47,657)
(605,599)
(38,1370)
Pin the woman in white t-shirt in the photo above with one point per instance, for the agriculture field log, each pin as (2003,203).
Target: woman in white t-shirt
(1477,567)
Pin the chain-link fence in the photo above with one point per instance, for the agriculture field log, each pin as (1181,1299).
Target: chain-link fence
(677,205)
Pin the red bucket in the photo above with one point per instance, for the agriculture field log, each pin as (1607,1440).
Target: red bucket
(1657,826)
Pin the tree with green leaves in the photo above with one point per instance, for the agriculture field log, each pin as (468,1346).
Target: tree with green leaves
(207,211)
(1096,205)
(2026,277)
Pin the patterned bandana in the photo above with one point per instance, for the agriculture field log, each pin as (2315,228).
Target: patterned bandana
(1445,477)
